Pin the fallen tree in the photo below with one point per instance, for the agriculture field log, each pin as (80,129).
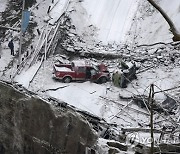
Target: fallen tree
(173,29)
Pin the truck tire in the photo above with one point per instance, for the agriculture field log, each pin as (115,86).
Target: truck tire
(102,80)
(67,79)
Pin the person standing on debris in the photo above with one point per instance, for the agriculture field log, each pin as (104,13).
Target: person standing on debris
(11,46)
(116,77)
(129,73)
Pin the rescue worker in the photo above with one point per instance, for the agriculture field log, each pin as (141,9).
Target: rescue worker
(120,79)
(124,79)
(116,77)
(11,46)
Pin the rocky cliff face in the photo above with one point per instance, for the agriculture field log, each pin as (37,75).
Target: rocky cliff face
(30,126)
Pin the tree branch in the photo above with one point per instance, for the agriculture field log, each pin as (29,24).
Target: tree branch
(169,21)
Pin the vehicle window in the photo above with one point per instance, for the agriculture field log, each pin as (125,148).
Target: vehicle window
(96,67)
(81,69)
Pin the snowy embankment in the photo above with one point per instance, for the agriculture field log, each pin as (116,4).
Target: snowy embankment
(150,27)
(113,18)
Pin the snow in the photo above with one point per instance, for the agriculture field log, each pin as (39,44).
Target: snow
(3,5)
(5,58)
(57,10)
(175,15)
(64,69)
(84,96)
(112,17)
(27,75)
(150,27)
(79,63)
(113,21)
(100,100)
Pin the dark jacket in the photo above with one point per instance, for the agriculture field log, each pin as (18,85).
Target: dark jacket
(11,45)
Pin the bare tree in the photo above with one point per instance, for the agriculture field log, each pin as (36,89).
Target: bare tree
(173,29)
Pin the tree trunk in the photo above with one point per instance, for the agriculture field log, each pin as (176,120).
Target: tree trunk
(176,34)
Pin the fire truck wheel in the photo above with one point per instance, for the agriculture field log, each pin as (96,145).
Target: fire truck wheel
(103,80)
(67,79)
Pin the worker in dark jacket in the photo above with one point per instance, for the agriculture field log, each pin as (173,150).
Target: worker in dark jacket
(11,46)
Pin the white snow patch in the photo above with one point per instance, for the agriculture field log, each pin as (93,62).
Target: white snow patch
(26,76)
(112,17)
(3,4)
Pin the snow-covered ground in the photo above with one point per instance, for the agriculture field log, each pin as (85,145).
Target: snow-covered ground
(128,21)
(110,18)
(103,99)
(113,18)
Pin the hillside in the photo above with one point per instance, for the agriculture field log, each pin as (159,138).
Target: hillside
(108,31)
